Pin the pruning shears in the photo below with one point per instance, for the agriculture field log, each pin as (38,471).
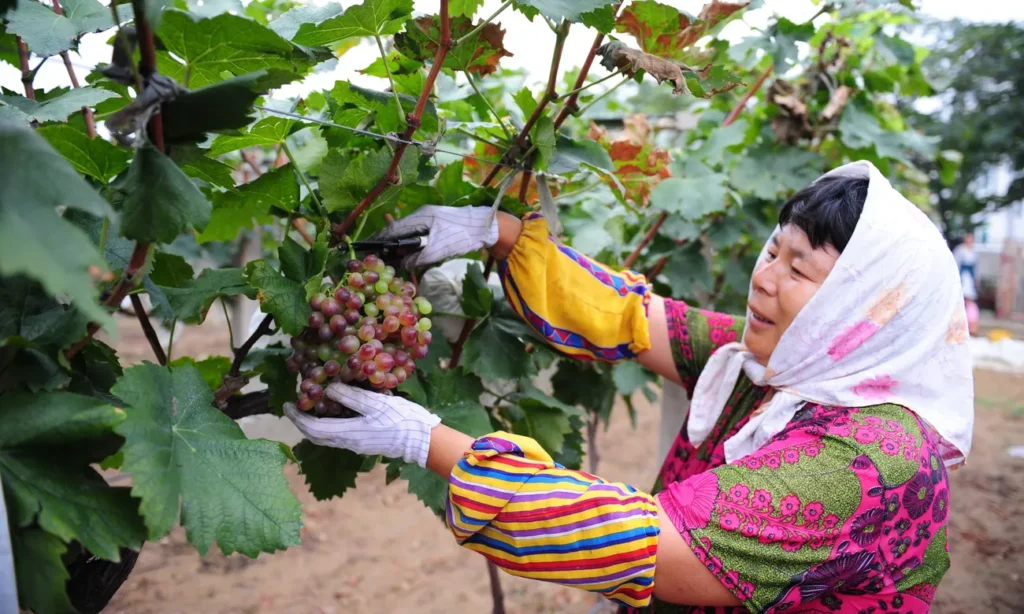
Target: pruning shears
(388,249)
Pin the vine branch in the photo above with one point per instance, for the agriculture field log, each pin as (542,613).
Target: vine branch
(90,120)
(243,350)
(413,121)
(147,328)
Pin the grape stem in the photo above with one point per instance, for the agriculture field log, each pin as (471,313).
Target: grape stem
(243,351)
(227,318)
(482,24)
(147,328)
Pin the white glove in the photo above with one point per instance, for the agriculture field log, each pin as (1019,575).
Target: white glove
(390,426)
(451,231)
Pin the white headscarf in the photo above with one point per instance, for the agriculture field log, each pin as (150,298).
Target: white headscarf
(888,325)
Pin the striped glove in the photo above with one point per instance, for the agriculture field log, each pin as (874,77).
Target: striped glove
(451,231)
(390,426)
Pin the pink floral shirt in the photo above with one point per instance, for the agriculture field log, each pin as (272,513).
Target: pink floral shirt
(843,511)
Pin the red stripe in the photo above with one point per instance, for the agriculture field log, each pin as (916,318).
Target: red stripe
(475,505)
(605,561)
(518,462)
(552,512)
(639,595)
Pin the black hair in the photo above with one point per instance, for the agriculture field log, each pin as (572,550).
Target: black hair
(827,210)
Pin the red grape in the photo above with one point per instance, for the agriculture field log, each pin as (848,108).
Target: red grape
(407,318)
(366,332)
(354,362)
(298,344)
(352,316)
(338,324)
(401,357)
(330,307)
(354,266)
(391,310)
(379,333)
(377,345)
(408,335)
(377,378)
(318,375)
(384,361)
(382,301)
(371,262)
(348,344)
(368,368)
(325,332)
(408,289)
(354,302)
(420,351)
(424,337)
(292,364)
(342,295)
(332,368)
(356,281)
(400,373)
(315,391)
(371,277)
(389,348)
(316,301)
(367,352)
(391,324)
(316,320)
(306,383)
(391,381)
(305,403)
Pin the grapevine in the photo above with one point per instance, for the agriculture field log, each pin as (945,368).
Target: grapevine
(207,162)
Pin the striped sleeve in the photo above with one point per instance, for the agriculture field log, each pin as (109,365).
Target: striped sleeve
(581,307)
(533,518)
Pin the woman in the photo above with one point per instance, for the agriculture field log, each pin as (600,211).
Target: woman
(810,474)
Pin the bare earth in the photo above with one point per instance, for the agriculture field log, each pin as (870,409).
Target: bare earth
(380,550)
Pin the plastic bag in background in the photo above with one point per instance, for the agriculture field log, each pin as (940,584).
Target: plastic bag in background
(442,286)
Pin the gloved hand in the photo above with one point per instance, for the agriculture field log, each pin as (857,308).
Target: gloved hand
(389,425)
(451,231)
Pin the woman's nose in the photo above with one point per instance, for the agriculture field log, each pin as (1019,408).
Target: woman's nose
(763,279)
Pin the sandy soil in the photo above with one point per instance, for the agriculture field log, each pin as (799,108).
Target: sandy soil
(379,550)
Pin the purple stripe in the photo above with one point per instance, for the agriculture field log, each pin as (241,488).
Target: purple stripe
(540,496)
(477,488)
(625,573)
(579,524)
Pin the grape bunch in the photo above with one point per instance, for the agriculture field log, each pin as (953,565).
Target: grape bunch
(367,331)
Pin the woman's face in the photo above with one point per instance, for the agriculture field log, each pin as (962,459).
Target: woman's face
(790,274)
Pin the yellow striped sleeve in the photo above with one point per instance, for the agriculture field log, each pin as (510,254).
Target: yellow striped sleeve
(533,518)
(580,306)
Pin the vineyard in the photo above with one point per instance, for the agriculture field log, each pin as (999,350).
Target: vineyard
(113,189)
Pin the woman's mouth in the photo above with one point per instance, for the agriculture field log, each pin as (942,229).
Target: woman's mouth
(757,319)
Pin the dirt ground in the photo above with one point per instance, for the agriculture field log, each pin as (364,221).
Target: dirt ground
(379,550)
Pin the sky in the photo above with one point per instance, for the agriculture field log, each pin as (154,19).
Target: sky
(521,38)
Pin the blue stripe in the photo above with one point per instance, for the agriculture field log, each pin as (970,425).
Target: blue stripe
(521,477)
(614,539)
(617,283)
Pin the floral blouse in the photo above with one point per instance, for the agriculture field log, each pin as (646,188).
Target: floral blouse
(843,511)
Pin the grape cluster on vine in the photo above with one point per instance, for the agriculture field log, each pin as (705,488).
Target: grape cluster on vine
(369,330)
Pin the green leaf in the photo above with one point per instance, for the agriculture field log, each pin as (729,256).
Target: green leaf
(160,201)
(629,377)
(214,49)
(61,491)
(39,570)
(455,397)
(766,173)
(56,109)
(900,50)
(28,368)
(267,132)
(543,137)
(691,197)
(284,298)
(192,300)
(212,369)
(546,426)
(570,154)
(28,313)
(46,33)
(171,270)
(429,488)
(477,297)
(450,184)
(34,240)
(525,101)
(495,351)
(601,19)
(194,163)
(301,264)
(712,152)
(785,35)
(687,270)
(94,157)
(464,8)
(288,24)
(572,10)
(345,181)
(371,18)
(529,396)
(177,446)
(479,53)
(279,380)
(571,454)
(222,107)
(237,210)
(582,384)
(329,471)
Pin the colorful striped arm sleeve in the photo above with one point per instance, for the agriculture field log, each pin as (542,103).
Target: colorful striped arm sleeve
(581,307)
(533,518)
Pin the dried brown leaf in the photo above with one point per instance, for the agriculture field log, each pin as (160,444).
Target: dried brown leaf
(616,55)
(836,103)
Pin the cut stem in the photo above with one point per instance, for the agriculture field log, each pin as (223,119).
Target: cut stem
(482,24)
(227,318)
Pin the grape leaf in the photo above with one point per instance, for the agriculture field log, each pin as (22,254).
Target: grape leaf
(194,163)
(543,138)
(478,54)
(177,446)
(451,186)
(288,24)
(349,97)
(571,454)
(691,197)
(766,173)
(687,270)
(212,369)
(46,33)
(455,397)
(329,471)
(668,32)
(639,163)
(524,100)
(34,240)
(160,201)
(56,109)
(300,264)
(222,107)
(529,397)
(464,8)
(344,181)
(279,380)
(371,18)
(545,425)
(28,313)
(476,297)
(237,210)
(95,157)
(580,383)
(61,491)
(601,19)
(267,132)
(712,152)
(629,377)
(39,570)
(192,300)
(214,49)
(572,10)
(284,298)
(494,349)
(429,488)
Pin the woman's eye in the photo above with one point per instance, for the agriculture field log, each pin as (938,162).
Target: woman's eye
(770,256)
(798,273)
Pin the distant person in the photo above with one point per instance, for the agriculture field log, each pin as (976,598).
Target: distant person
(810,473)
(970,300)
(965,256)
